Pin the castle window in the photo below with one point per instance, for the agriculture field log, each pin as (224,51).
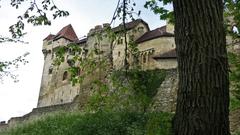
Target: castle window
(140,29)
(79,72)
(49,42)
(131,38)
(128,55)
(120,41)
(50,70)
(65,75)
(144,59)
(119,53)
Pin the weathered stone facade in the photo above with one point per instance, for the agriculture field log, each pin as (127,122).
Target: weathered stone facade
(165,99)
(55,86)
(158,46)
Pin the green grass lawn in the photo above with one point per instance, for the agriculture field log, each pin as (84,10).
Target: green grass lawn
(121,123)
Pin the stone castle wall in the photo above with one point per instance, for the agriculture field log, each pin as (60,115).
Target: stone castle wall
(54,89)
(119,48)
(164,101)
(158,46)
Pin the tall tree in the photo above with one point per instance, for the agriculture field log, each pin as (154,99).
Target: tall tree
(203,95)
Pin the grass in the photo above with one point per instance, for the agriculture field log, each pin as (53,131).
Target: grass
(123,123)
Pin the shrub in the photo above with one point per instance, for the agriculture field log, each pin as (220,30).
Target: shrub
(101,123)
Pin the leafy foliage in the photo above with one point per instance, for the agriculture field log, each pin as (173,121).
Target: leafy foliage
(234,60)
(125,10)
(237,133)
(234,103)
(131,92)
(122,123)
(36,14)
(159,7)
(7,67)
(232,17)
(231,13)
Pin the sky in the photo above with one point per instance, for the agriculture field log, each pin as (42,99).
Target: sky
(17,99)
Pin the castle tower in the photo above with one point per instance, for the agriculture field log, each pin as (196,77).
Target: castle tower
(55,85)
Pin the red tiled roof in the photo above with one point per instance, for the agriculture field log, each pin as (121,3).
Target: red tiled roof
(49,37)
(130,25)
(67,32)
(159,32)
(167,55)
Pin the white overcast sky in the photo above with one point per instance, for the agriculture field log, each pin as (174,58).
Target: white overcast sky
(17,99)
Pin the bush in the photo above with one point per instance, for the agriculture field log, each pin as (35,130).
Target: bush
(234,62)
(133,91)
(237,133)
(124,123)
(234,103)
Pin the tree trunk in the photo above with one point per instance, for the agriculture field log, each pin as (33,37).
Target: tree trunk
(203,95)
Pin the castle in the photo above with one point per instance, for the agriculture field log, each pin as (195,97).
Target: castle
(157,50)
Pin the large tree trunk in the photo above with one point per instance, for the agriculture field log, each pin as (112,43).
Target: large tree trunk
(203,95)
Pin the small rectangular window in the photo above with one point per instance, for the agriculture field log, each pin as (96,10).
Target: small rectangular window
(49,42)
(140,29)
(120,41)
(131,38)
(50,70)
(144,59)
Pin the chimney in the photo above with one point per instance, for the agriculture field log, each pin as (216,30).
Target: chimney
(98,27)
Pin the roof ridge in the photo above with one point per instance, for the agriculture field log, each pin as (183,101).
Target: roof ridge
(67,32)
(130,24)
(157,32)
(49,37)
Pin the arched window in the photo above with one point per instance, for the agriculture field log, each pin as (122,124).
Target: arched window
(50,70)
(65,75)
(79,71)
(140,29)
(120,41)
(119,53)
(144,58)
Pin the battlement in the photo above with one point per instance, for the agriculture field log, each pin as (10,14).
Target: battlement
(98,28)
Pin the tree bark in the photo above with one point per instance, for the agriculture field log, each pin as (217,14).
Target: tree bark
(203,95)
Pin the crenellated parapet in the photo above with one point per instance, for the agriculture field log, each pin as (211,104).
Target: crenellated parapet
(98,29)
